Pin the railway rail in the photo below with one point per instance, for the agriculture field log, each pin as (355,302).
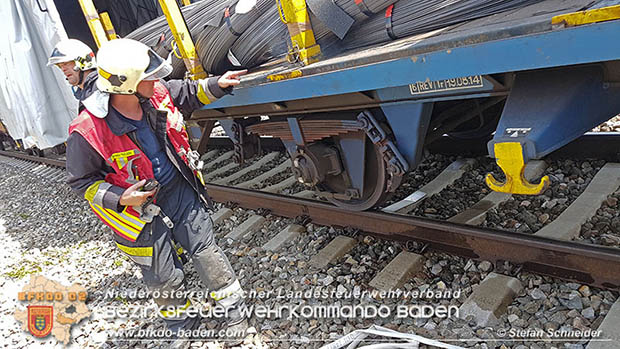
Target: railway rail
(359,145)
(585,263)
(276,252)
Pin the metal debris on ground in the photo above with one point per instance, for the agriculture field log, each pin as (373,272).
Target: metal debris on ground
(401,340)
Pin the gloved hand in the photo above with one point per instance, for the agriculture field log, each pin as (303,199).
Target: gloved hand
(231,78)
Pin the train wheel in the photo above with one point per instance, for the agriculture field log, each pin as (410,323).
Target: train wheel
(375,183)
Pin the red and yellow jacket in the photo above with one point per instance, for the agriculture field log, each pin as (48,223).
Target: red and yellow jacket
(103,158)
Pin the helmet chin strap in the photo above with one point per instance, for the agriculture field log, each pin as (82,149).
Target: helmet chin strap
(81,75)
(141,98)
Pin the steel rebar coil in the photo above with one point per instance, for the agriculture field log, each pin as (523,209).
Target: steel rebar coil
(227,37)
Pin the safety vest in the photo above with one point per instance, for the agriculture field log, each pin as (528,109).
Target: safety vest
(129,163)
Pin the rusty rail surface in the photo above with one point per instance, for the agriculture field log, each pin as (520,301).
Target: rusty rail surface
(47,161)
(589,264)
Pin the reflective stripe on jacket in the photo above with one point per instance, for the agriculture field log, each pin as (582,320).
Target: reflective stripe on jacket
(129,164)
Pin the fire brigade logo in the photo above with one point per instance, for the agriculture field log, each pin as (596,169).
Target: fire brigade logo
(52,308)
(40,320)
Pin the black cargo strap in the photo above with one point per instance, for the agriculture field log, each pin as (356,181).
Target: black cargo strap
(363,8)
(388,23)
(228,23)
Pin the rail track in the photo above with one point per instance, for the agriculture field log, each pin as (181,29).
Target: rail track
(586,263)
(263,186)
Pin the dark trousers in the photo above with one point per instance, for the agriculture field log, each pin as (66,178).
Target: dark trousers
(193,231)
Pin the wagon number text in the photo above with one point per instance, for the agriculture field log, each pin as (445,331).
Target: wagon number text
(428,86)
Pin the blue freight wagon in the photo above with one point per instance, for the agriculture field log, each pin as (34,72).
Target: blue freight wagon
(534,78)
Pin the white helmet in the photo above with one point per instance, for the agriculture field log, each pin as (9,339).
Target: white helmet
(124,63)
(73,50)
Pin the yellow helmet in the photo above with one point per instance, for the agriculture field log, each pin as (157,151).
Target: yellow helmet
(124,63)
(73,50)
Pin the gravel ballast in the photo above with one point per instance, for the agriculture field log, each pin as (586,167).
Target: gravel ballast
(528,214)
(46,226)
(460,195)
(604,227)
(430,166)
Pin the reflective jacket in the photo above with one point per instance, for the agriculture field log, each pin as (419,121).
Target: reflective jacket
(121,162)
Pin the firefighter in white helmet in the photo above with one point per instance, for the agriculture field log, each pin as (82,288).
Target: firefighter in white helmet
(131,131)
(78,63)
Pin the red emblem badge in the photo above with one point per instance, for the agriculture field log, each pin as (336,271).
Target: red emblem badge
(40,319)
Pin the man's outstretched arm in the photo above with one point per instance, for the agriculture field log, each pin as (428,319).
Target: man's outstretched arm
(189,95)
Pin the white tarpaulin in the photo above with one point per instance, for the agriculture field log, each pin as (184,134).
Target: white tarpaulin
(36,102)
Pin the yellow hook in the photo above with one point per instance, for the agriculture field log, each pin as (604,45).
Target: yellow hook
(510,159)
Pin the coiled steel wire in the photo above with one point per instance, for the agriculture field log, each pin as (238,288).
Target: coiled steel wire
(195,16)
(410,17)
(256,35)
(214,47)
